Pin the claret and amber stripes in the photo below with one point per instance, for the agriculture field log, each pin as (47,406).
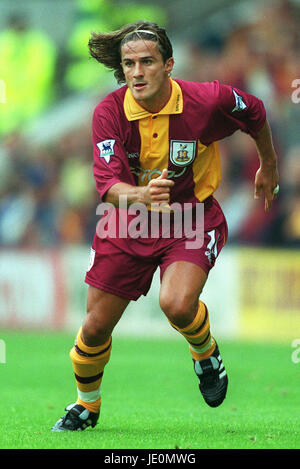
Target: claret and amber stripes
(88,365)
(201,343)
(173,123)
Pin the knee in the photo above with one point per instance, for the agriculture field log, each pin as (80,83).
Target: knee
(103,312)
(180,311)
(96,327)
(94,330)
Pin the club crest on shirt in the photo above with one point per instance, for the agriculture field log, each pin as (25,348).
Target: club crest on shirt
(106,149)
(182,152)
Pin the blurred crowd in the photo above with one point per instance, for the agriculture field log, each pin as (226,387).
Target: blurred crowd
(261,57)
(47,191)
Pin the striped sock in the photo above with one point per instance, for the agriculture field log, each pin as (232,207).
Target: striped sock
(201,343)
(88,365)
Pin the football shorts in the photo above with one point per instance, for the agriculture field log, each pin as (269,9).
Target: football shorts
(124,266)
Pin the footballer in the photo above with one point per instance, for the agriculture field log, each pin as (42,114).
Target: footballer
(156,142)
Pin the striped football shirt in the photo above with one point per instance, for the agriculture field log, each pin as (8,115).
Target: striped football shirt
(132,145)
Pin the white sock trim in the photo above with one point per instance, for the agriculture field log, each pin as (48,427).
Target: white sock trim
(203,349)
(91,396)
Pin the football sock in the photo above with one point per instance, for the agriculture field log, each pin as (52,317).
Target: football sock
(88,365)
(201,343)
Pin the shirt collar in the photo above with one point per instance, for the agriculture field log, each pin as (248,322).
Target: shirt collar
(134,111)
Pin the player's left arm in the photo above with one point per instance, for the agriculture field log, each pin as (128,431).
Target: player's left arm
(241,110)
(266,179)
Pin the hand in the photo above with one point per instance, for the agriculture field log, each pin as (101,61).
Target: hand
(266,179)
(158,190)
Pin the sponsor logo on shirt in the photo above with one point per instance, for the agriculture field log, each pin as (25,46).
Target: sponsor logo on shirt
(182,152)
(106,148)
(146,175)
(239,103)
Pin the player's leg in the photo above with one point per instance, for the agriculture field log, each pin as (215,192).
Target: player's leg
(89,356)
(184,311)
(114,278)
(104,311)
(92,348)
(182,284)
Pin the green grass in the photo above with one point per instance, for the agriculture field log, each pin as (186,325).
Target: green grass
(150,396)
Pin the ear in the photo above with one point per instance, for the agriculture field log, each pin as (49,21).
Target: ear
(169,65)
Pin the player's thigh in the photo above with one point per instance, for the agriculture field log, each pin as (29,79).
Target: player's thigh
(115,271)
(181,285)
(106,306)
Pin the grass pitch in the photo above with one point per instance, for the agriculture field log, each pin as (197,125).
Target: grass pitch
(150,397)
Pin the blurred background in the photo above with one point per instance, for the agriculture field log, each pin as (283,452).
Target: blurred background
(48,90)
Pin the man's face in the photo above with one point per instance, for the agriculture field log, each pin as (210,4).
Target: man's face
(146,73)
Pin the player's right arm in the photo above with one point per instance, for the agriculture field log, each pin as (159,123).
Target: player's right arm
(156,192)
(114,179)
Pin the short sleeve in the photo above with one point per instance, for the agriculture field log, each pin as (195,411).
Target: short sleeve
(241,110)
(110,158)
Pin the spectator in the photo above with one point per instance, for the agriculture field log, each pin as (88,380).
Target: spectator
(81,73)
(38,203)
(28,59)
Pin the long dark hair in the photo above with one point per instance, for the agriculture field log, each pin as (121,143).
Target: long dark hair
(106,47)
